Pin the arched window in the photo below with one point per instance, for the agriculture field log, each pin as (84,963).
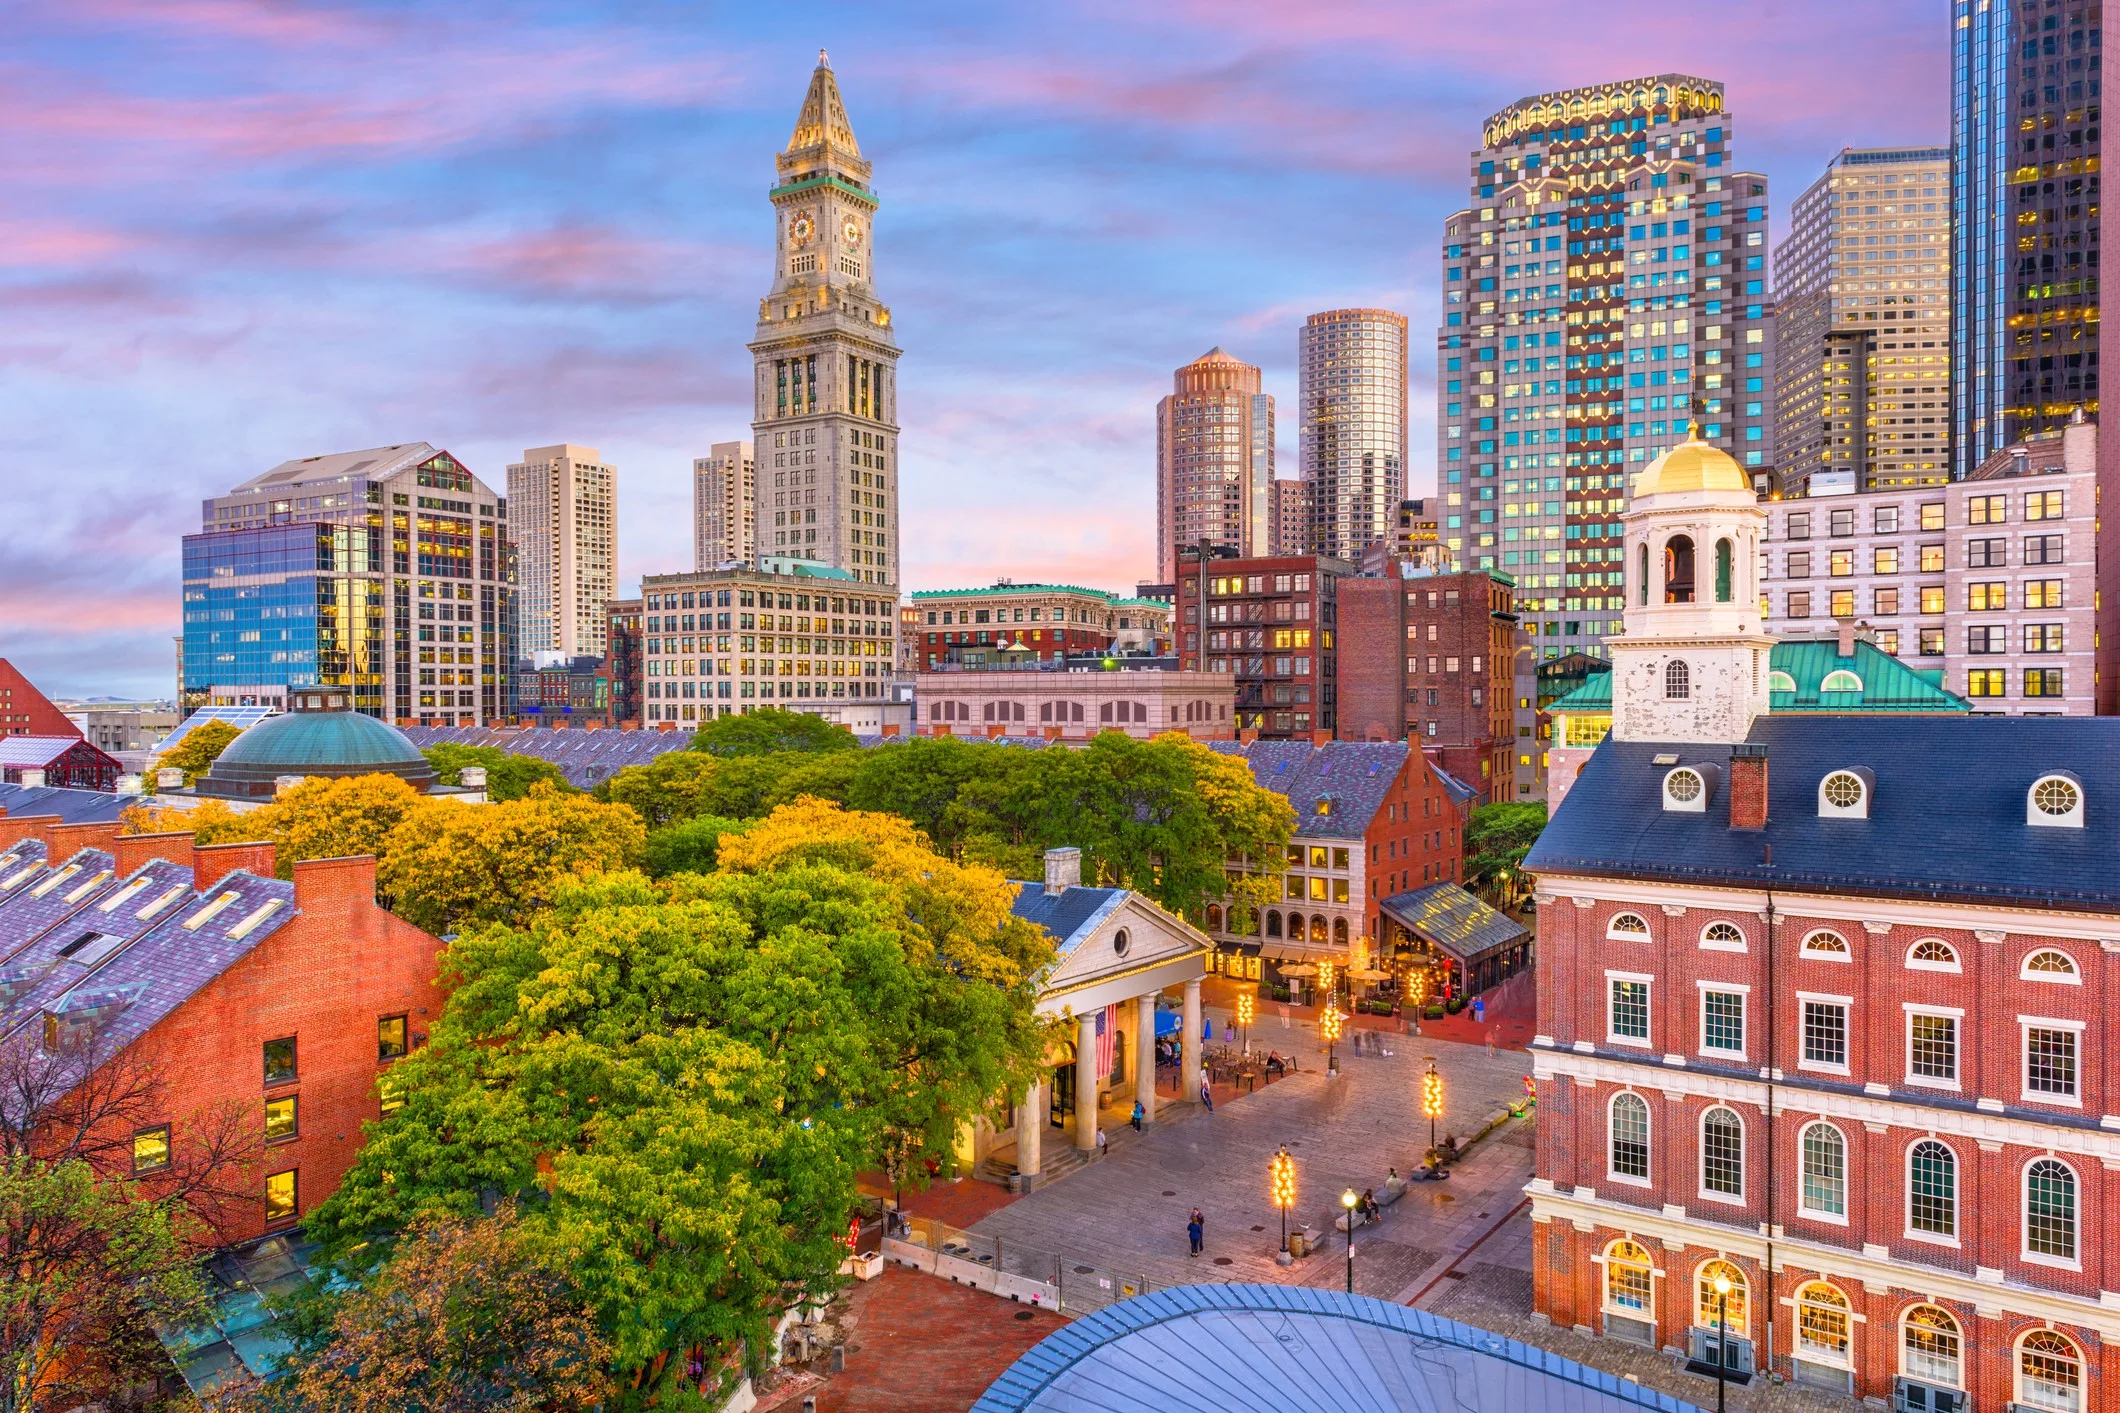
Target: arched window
(1844,794)
(1630,1279)
(1825,1171)
(1779,681)
(1678,680)
(1722,1153)
(1931,1347)
(1317,929)
(1841,680)
(1214,917)
(2055,801)
(1628,1121)
(2048,964)
(1339,932)
(1734,1307)
(1723,937)
(1724,558)
(1933,954)
(1932,1189)
(1830,945)
(1678,569)
(1822,1323)
(2049,1372)
(2050,1209)
(1642,575)
(1273,923)
(1627,927)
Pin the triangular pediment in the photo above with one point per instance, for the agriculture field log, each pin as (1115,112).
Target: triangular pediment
(1151,937)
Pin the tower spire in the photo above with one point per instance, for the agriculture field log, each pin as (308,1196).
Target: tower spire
(823,120)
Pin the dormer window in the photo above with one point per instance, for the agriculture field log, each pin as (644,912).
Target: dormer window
(1778,681)
(2050,965)
(1841,680)
(1687,788)
(2055,801)
(1627,927)
(1845,794)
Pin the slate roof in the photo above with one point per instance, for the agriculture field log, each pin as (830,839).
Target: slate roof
(72,806)
(56,892)
(1354,775)
(584,757)
(1068,917)
(1946,823)
(1455,920)
(1459,792)
(39,970)
(1887,683)
(1270,1348)
(34,752)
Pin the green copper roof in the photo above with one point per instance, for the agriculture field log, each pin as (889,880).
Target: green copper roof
(1885,684)
(920,595)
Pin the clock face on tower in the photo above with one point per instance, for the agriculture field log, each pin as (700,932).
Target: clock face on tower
(852,233)
(802,228)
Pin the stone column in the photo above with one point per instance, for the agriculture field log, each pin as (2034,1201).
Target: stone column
(1086,1083)
(1145,1054)
(1030,1131)
(1190,1069)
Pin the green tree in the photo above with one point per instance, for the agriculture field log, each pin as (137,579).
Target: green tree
(688,846)
(770,731)
(320,818)
(451,867)
(1496,839)
(508,776)
(682,1079)
(200,748)
(666,789)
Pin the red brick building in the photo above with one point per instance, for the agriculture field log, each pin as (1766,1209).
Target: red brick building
(1270,623)
(1429,657)
(289,999)
(25,711)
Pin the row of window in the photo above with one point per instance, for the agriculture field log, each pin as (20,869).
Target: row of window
(2048,1368)
(2052,964)
(1885,519)
(1929,559)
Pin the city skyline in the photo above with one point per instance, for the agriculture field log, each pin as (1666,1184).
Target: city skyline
(612,306)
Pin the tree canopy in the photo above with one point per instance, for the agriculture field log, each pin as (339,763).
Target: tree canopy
(508,776)
(769,731)
(1496,839)
(449,866)
(681,1079)
(200,748)
(318,819)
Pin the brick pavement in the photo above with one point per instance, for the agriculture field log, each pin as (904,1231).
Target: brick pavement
(917,1344)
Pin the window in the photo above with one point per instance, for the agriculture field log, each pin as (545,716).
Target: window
(1932,1048)
(1987,639)
(1800,604)
(1800,525)
(1799,564)
(1825,1171)
(2050,1210)
(390,1038)
(1884,559)
(1931,1347)
(1630,1010)
(2043,593)
(2050,965)
(1722,1021)
(2043,549)
(1984,682)
(1685,790)
(1842,522)
(1630,1282)
(2042,505)
(1712,1311)
(1829,945)
(1932,642)
(1841,604)
(1825,1034)
(2049,1373)
(1723,937)
(1987,510)
(1887,520)
(1932,601)
(1932,1189)
(1628,927)
(1986,554)
(2042,638)
(1779,681)
(1821,1323)
(2055,801)
(1840,563)
(1932,954)
(150,1149)
(1843,793)
(2042,681)
(281,1197)
(279,1061)
(1678,680)
(1932,515)
(1629,1132)
(1986,597)
(2049,1062)
(1722,1153)
(280,1119)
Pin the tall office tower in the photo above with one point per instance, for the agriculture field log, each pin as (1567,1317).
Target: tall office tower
(1352,375)
(1214,461)
(825,360)
(724,506)
(1606,287)
(1288,510)
(2024,221)
(1862,332)
(563,514)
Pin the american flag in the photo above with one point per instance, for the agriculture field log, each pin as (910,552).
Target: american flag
(1107,1026)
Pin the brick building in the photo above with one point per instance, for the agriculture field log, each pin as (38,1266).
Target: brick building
(1820,999)
(1049,622)
(25,711)
(623,658)
(1269,623)
(289,999)
(1429,656)
(1027,700)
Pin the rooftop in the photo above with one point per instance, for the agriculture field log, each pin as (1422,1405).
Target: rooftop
(1348,778)
(1882,683)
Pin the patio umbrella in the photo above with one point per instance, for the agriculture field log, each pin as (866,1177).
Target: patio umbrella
(1301,969)
(1369,974)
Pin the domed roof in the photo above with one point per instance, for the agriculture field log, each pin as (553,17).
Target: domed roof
(1692,465)
(309,742)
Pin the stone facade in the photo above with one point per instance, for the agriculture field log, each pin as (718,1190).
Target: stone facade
(1075,705)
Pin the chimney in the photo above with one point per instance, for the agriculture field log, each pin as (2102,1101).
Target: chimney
(1748,785)
(134,850)
(15,828)
(473,777)
(210,863)
(346,884)
(1063,870)
(32,780)
(66,840)
(169,778)
(1321,738)
(1846,627)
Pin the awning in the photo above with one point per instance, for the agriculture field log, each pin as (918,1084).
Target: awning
(1168,1023)
(1454,922)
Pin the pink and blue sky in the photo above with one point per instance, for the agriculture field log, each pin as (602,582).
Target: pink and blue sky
(239,231)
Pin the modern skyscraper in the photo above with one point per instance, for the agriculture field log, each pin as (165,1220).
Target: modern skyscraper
(1214,461)
(724,506)
(826,363)
(563,514)
(1606,286)
(1289,514)
(2024,221)
(1352,375)
(1862,331)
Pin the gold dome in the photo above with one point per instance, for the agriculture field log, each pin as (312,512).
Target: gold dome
(1692,465)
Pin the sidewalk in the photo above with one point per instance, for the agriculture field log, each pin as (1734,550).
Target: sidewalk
(1510,1022)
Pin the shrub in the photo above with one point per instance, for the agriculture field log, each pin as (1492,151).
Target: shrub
(1433,1011)
(1456,1004)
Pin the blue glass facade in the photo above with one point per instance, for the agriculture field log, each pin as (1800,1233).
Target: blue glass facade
(285,605)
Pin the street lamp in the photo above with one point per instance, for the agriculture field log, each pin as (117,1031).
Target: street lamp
(1281,1186)
(1329,1028)
(1347,1200)
(1247,1006)
(1325,981)
(1722,1337)
(1431,1100)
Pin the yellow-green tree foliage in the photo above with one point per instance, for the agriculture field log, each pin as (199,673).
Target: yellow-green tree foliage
(200,748)
(449,867)
(317,819)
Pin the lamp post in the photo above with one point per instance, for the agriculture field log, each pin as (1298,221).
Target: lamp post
(1247,1006)
(1722,1338)
(1325,981)
(1281,1185)
(1347,1200)
(1431,1099)
(1329,1029)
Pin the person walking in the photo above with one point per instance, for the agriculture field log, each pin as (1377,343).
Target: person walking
(1207,1096)
(1139,1114)
(1196,1231)
(1104,1146)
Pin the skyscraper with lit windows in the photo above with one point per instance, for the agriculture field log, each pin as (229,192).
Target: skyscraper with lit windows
(1351,367)
(1214,461)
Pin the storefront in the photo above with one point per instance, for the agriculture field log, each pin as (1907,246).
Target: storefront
(1442,942)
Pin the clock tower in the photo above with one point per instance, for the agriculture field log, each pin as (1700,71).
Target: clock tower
(824,358)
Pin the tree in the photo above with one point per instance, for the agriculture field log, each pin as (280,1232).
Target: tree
(1496,839)
(771,731)
(451,867)
(508,776)
(666,789)
(467,1314)
(209,821)
(321,818)
(683,1079)
(688,846)
(200,748)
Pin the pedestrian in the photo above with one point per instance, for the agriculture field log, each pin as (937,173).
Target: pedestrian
(1196,1231)
(1207,1096)
(1104,1147)
(1139,1114)
(1479,1010)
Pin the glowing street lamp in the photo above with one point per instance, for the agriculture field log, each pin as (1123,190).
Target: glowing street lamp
(1281,1186)
(1431,1099)
(1247,1008)
(1347,1200)
(1325,980)
(1329,1028)
(1722,1337)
